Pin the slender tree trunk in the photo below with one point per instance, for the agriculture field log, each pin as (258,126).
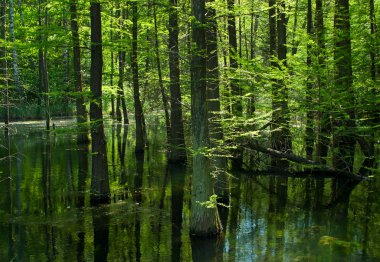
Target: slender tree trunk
(16,75)
(237,107)
(322,114)
(236,92)
(294,44)
(272,31)
(159,72)
(118,95)
(254,28)
(240,33)
(368,143)
(80,104)
(20,11)
(309,86)
(251,107)
(4,65)
(177,151)
(136,89)
(121,55)
(121,86)
(67,59)
(204,221)
(42,57)
(100,190)
(281,139)
(218,163)
(113,111)
(344,139)
(373,53)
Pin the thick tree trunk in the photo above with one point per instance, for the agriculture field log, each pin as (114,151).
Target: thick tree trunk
(218,164)
(322,115)
(160,81)
(139,118)
(344,140)
(80,104)
(204,221)
(100,190)
(177,151)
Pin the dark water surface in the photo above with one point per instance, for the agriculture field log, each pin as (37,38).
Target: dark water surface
(45,212)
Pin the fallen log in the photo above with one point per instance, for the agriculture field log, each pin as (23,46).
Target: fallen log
(320,170)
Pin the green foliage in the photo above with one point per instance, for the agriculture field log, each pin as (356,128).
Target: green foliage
(212,202)
(255,74)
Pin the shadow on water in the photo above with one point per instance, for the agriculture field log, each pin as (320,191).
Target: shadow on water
(46,212)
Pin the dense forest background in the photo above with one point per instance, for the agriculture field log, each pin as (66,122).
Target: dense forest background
(295,79)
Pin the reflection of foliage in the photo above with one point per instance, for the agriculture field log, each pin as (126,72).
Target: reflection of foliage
(333,241)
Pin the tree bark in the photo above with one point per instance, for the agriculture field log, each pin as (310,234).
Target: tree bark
(19,5)
(309,136)
(235,89)
(294,44)
(368,141)
(4,64)
(218,163)
(80,103)
(281,139)
(343,94)
(251,106)
(204,221)
(100,190)
(272,31)
(16,75)
(121,55)
(177,152)
(136,89)
(113,109)
(160,81)
(237,107)
(322,115)
(42,63)
(373,30)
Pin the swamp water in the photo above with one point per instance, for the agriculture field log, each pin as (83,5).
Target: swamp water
(45,214)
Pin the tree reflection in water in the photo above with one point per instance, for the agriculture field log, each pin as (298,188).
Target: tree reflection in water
(45,213)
